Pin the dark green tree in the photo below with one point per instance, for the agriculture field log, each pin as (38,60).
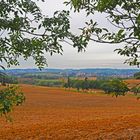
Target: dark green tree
(68,82)
(136,90)
(77,84)
(137,75)
(85,84)
(115,87)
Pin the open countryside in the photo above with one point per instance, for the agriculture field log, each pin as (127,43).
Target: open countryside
(62,114)
(69,70)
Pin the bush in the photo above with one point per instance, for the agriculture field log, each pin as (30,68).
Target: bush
(10,97)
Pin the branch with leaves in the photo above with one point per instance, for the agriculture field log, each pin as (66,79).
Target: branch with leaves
(123,16)
(26,32)
(10,97)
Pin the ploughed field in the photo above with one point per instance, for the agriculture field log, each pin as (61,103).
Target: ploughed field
(59,114)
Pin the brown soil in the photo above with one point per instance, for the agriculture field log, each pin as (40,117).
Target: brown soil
(133,82)
(56,114)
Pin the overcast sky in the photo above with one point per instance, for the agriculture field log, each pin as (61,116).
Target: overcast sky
(96,55)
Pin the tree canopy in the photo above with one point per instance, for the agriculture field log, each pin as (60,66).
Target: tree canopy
(137,75)
(123,15)
(115,86)
(26,32)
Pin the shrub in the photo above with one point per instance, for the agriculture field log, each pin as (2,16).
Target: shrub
(10,97)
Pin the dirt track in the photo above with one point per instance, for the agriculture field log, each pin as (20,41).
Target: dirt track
(56,114)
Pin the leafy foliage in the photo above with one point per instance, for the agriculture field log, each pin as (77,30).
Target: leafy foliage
(137,75)
(116,86)
(113,86)
(10,97)
(136,90)
(123,15)
(26,32)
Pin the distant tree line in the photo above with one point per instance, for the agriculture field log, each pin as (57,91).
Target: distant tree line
(42,82)
(42,76)
(49,83)
(7,79)
(115,86)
